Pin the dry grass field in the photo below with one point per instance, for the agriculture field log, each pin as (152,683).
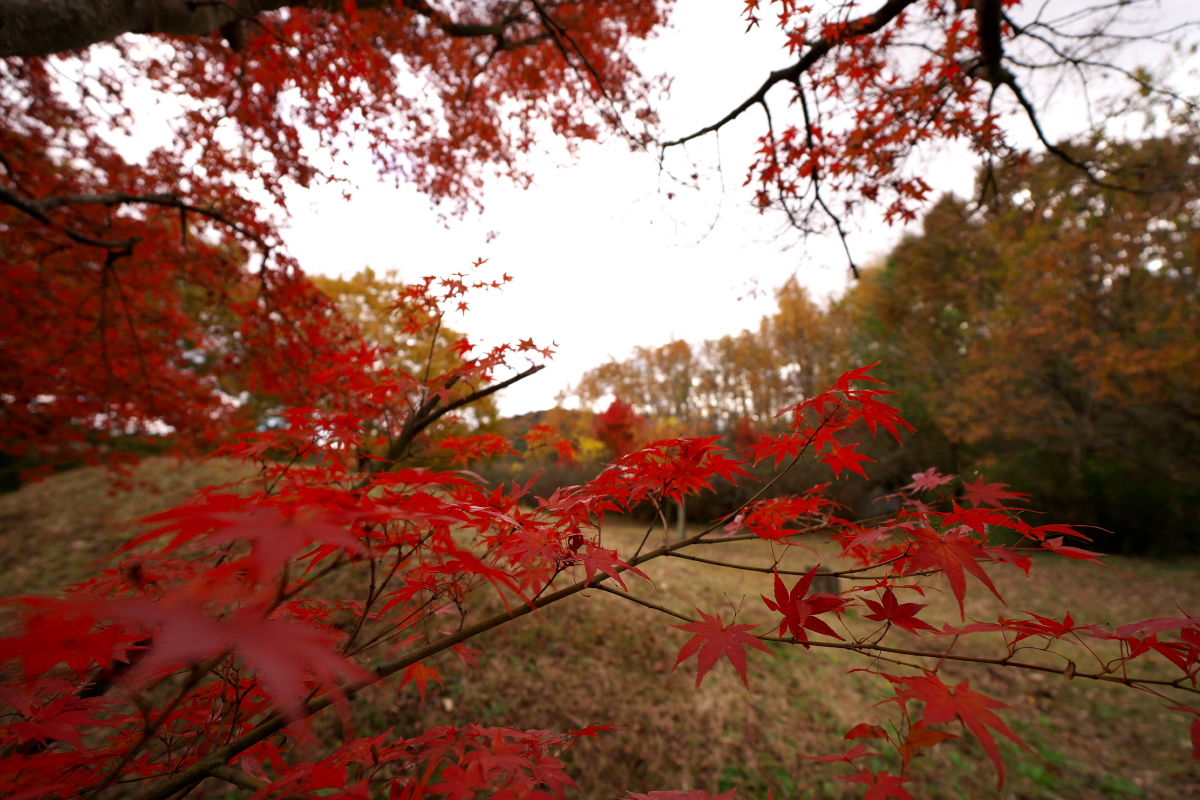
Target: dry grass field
(601,659)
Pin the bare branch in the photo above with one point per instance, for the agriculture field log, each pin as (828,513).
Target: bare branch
(1059,152)
(868,649)
(429,413)
(34,209)
(237,777)
(862,26)
(40,209)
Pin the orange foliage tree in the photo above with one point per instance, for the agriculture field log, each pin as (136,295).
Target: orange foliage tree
(1053,330)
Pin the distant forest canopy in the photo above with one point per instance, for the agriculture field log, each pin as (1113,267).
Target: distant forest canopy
(1052,329)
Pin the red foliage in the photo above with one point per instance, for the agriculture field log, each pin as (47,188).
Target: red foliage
(220,620)
(714,639)
(800,609)
(619,427)
(151,297)
(146,297)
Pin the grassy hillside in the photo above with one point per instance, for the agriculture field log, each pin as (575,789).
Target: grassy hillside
(600,659)
(52,532)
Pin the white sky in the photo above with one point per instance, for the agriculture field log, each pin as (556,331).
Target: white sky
(602,260)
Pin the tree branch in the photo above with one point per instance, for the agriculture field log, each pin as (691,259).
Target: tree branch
(860,26)
(31,28)
(991,50)
(428,413)
(237,777)
(40,210)
(34,209)
(1030,112)
(866,649)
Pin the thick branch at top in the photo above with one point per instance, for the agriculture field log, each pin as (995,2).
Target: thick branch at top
(44,27)
(861,26)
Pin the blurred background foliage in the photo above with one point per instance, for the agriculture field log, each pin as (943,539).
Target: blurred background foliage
(1045,335)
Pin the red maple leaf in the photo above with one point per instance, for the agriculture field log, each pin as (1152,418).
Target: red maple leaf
(712,640)
(881,786)
(421,675)
(276,537)
(800,612)
(903,615)
(858,751)
(62,718)
(929,479)
(608,562)
(920,737)
(870,537)
(779,447)
(594,730)
(840,458)
(980,493)
(864,731)
(1055,543)
(974,710)
(474,448)
(876,414)
(282,652)
(951,553)
(1042,626)
(63,630)
(1155,625)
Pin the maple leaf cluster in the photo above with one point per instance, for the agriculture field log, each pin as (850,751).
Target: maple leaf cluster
(226,622)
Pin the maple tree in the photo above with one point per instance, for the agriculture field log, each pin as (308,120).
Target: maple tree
(214,634)
(148,296)
(618,427)
(144,295)
(874,89)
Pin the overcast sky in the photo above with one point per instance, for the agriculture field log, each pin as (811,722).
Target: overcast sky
(602,260)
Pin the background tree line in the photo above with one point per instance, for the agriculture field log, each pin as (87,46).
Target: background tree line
(1046,336)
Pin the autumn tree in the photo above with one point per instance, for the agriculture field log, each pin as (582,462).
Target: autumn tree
(369,301)
(1098,319)
(1051,329)
(619,427)
(873,90)
(134,290)
(223,639)
(707,387)
(261,86)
